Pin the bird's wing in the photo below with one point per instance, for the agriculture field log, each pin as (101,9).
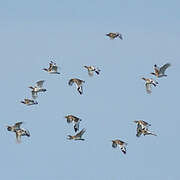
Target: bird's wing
(18,124)
(27,133)
(149,133)
(34,95)
(18,138)
(71,81)
(148,88)
(54,68)
(163,68)
(40,83)
(123,149)
(114,145)
(90,73)
(80,133)
(76,126)
(139,132)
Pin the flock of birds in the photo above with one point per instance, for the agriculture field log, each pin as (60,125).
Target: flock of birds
(142,126)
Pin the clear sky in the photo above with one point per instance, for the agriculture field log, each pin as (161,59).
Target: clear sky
(73,34)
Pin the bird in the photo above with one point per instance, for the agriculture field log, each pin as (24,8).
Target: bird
(160,72)
(37,88)
(53,68)
(21,132)
(148,84)
(121,144)
(144,132)
(142,124)
(92,69)
(29,102)
(112,35)
(77,136)
(15,127)
(78,82)
(76,120)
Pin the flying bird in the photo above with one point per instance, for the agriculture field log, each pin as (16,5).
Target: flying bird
(149,83)
(38,88)
(76,120)
(112,35)
(92,69)
(78,136)
(29,102)
(160,72)
(53,68)
(119,143)
(78,83)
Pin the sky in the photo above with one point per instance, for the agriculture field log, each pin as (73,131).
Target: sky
(72,33)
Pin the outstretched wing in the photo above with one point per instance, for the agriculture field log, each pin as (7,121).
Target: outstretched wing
(71,81)
(90,73)
(81,133)
(18,124)
(148,88)
(40,83)
(163,68)
(139,132)
(123,149)
(18,137)
(54,68)
(34,95)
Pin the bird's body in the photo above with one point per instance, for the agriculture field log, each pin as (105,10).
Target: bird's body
(29,102)
(53,68)
(149,83)
(119,143)
(78,136)
(160,72)
(92,69)
(38,88)
(78,82)
(113,35)
(21,132)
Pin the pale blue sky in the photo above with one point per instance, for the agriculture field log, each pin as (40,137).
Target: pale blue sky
(73,34)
